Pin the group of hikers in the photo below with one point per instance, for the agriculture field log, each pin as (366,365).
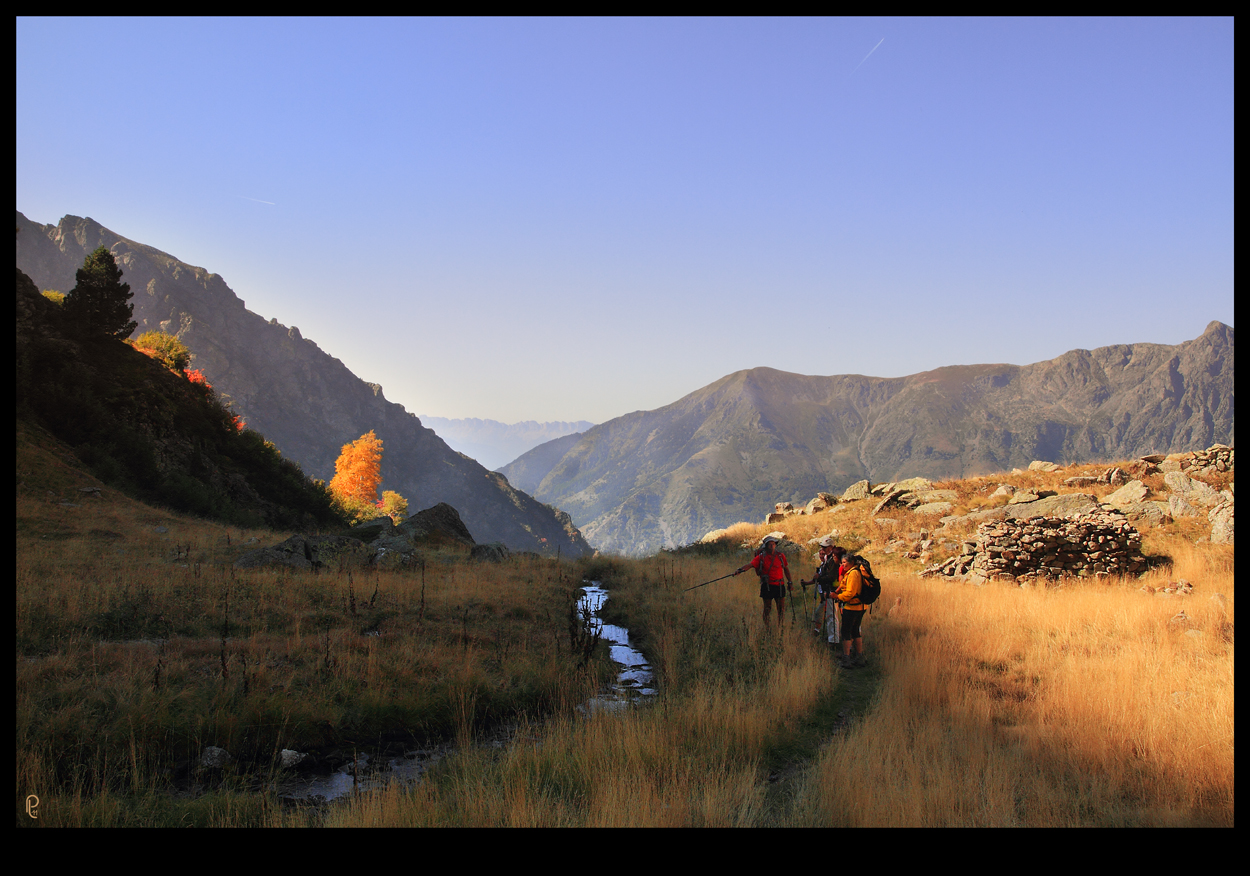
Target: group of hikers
(841,594)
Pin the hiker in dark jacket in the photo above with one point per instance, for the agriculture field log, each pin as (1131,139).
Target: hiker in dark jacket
(827,616)
(773,569)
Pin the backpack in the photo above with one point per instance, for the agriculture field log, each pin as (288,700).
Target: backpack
(870,589)
(785,564)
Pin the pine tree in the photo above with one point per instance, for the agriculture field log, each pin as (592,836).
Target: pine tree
(99,305)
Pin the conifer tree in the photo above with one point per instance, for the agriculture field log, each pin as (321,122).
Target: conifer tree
(99,305)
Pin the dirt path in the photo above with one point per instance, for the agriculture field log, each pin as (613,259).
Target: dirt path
(826,724)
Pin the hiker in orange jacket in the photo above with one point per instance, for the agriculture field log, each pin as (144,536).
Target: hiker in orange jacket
(850,580)
(773,569)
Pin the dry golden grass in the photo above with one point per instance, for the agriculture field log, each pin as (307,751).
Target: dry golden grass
(991,705)
(137,648)
(1041,707)
(732,694)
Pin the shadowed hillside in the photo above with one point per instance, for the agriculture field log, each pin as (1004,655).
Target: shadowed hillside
(299,397)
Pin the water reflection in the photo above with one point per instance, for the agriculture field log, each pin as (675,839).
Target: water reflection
(635,678)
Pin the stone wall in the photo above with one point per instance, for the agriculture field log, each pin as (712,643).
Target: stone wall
(1096,544)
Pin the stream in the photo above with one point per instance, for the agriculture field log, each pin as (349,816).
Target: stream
(635,678)
(634,681)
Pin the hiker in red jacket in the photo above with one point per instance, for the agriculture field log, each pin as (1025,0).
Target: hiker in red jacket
(773,569)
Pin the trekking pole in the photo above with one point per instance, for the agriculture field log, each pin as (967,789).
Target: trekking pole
(713,581)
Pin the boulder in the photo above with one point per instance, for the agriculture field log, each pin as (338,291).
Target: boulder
(292,554)
(1051,506)
(856,491)
(890,497)
(816,506)
(214,758)
(1178,507)
(495,552)
(329,551)
(1146,512)
(1082,481)
(441,523)
(935,509)
(912,485)
(1040,465)
(306,552)
(371,530)
(1133,491)
(1221,517)
(1192,491)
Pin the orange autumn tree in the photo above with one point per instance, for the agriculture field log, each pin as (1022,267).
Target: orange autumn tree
(357,476)
(358,470)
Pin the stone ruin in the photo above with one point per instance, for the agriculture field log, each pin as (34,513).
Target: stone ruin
(1097,544)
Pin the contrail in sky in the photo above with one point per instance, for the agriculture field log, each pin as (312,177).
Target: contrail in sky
(870,51)
(272,204)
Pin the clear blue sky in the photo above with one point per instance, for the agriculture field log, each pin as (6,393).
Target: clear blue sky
(574,219)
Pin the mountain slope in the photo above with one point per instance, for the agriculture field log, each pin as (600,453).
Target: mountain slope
(302,399)
(153,433)
(732,449)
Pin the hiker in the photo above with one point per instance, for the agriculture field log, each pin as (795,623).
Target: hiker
(772,568)
(827,615)
(851,581)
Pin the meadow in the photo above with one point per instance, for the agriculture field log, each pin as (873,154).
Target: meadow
(138,645)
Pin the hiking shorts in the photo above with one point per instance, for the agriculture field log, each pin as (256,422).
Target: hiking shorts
(850,624)
(772,591)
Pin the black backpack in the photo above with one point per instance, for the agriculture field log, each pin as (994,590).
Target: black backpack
(870,590)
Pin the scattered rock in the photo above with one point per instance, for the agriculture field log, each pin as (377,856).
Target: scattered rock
(856,491)
(1133,491)
(1192,491)
(495,552)
(1039,465)
(1221,517)
(214,758)
(934,509)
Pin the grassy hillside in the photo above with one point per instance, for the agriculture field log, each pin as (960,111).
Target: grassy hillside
(139,645)
(144,429)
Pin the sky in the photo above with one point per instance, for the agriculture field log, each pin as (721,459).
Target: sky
(565,219)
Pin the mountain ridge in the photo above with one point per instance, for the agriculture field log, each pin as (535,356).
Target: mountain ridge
(307,402)
(728,451)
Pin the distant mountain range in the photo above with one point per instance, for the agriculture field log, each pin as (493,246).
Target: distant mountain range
(495,444)
(302,399)
(729,451)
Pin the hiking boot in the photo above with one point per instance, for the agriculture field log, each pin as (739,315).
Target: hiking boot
(848,663)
